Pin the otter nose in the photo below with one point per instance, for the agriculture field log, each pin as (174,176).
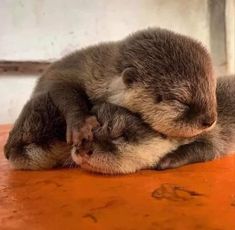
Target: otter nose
(89,153)
(208,122)
(8,151)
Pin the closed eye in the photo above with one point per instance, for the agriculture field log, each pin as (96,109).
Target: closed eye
(159,98)
(178,101)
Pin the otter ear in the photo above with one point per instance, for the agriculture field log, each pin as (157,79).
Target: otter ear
(129,76)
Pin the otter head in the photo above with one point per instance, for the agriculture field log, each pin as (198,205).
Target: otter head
(122,144)
(168,79)
(37,139)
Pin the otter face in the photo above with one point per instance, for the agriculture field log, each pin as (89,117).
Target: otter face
(168,79)
(123,144)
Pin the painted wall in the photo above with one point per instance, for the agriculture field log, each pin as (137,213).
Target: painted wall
(14,92)
(48,29)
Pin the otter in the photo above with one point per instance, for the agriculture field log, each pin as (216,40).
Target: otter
(155,73)
(140,148)
(123,143)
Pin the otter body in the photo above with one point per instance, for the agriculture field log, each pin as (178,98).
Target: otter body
(153,72)
(122,144)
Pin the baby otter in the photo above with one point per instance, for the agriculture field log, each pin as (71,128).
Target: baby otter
(155,73)
(138,147)
(123,143)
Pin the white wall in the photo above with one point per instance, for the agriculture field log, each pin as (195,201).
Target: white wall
(14,92)
(49,29)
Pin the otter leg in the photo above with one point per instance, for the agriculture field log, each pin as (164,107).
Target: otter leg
(187,154)
(73,104)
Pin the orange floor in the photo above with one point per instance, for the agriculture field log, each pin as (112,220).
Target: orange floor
(200,196)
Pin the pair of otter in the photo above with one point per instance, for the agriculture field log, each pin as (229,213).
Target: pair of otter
(148,101)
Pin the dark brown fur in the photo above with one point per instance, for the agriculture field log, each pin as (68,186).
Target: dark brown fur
(37,139)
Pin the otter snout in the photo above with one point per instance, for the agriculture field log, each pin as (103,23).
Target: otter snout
(6,153)
(12,150)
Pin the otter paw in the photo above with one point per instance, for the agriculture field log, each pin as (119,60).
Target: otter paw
(76,133)
(170,161)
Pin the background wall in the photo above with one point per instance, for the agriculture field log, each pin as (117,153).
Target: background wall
(49,29)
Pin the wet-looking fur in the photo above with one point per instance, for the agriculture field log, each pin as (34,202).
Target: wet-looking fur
(122,144)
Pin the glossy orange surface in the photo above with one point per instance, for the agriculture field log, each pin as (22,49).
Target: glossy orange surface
(199,196)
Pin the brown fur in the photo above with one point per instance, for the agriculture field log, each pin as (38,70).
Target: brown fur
(123,143)
(149,151)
